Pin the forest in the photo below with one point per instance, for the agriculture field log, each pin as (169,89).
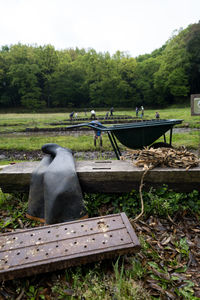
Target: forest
(38,77)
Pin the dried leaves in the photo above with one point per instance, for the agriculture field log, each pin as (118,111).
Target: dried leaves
(164,157)
(170,252)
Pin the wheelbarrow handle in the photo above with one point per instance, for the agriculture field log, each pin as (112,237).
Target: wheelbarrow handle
(78,125)
(93,126)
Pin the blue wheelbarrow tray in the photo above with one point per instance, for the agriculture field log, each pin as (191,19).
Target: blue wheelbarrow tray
(135,135)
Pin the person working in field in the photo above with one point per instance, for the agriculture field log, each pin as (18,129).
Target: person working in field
(93,114)
(111,111)
(136,111)
(71,115)
(142,111)
(157,115)
(97,133)
(107,114)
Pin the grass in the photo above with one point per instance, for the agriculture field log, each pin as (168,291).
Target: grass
(96,284)
(10,122)
(191,140)
(82,143)
(16,122)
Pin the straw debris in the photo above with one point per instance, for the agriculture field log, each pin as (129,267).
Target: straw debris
(149,158)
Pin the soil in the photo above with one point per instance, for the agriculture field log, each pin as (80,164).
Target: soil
(12,155)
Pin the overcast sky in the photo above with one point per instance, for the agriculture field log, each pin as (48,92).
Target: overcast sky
(134,26)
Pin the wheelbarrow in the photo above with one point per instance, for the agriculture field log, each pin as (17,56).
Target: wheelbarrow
(135,135)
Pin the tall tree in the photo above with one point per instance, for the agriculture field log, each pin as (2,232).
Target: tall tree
(67,85)
(47,61)
(22,74)
(171,81)
(193,47)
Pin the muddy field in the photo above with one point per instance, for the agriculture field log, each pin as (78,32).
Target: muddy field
(74,132)
(37,155)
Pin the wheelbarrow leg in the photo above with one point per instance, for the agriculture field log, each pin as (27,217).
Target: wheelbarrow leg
(170,136)
(115,142)
(114,148)
(95,142)
(101,141)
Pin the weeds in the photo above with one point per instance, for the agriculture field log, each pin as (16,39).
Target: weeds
(186,291)
(161,202)
(182,247)
(97,284)
(13,212)
(161,267)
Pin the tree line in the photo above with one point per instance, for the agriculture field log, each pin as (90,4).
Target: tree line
(37,77)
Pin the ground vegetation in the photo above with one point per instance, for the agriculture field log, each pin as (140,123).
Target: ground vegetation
(167,267)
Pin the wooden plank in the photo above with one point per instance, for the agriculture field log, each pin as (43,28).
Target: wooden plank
(48,248)
(106,176)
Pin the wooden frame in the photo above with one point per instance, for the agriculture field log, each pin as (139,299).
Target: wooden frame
(195,104)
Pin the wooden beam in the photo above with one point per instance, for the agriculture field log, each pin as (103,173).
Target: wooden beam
(106,176)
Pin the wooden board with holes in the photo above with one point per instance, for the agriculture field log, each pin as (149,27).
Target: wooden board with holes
(54,247)
(109,176)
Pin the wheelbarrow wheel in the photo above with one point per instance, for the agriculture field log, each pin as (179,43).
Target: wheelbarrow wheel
(161,145)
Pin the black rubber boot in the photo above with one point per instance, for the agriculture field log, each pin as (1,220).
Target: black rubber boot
(62,196)
(36,191)
(62,192)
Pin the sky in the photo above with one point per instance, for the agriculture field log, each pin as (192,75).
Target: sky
(132,26)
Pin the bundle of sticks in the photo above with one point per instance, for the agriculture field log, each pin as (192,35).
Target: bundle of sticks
(149,158)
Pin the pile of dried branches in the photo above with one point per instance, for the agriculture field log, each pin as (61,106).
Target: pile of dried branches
(163,157)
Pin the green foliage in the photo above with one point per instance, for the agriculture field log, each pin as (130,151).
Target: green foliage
(14,207)
(192,46)
(36,76)
(160,271)
(162,202)
(33,293)
(137,272)
(186,292)
(95,283)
